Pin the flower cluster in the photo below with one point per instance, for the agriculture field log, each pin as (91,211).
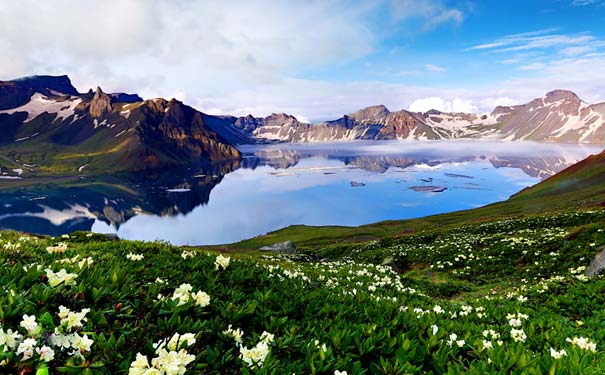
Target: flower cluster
(256,355)
(583,343)
(58,249)
(172,357)
(57,278)
(183,294)
(134,257)
(221,262)
(36,344)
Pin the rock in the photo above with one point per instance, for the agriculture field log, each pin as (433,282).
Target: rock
(391,262)
(357,184)
(429,189)
(100,104)
(597,264)
(280,247)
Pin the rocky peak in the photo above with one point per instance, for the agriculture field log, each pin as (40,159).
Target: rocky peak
(432,112)
(280,117)
(376,112)
(100,103)
(557,95)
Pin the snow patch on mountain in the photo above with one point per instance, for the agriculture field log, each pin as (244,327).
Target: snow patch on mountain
(39,104)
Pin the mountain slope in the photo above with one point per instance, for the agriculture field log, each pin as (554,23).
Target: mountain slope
(581,184)
(67,132)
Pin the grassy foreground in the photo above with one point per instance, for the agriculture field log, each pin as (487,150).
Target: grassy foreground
(498,297)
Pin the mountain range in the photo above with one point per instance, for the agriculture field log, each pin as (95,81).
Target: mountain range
(48,127)
(558,116)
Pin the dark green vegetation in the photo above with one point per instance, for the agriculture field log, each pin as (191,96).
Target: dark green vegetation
(454,304)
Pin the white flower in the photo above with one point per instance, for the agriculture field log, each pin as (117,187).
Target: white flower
(177,341)
(60,340)
(30,324)
(557,354)
(187,254)
(56,278)
(256,355)
(46,354)
(9,338)
(453,337)
(81,343)
(221,262)
(72,319)
(434,329)
(237,334)
(139,366)
(518,335)
(340,372)
(267,337)
(202,299)
(583,343)
(134,257)
(26,348)
(487,344)
(515,322)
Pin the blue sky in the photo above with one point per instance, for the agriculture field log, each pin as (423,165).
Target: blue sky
(314,59)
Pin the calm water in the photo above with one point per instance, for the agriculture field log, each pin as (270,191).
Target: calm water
(278,185)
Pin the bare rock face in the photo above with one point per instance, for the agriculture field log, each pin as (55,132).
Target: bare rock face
(100,104)
(281,247)
(597,264)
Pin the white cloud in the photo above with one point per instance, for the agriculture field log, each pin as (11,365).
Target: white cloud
(434,68)
(433,13)
(533,66)
(587,2)
(204,42)
(541,40)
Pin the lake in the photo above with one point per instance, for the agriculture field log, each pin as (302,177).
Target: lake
(273,186)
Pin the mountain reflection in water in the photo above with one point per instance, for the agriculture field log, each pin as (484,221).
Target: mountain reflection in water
(283,184)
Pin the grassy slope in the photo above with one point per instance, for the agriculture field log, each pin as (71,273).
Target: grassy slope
(372,320)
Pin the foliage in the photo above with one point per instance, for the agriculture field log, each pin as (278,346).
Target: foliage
(501,297)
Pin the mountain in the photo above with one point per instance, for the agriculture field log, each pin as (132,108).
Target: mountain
(50,128)
(559,116)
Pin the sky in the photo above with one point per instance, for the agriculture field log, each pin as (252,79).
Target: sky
(316,60)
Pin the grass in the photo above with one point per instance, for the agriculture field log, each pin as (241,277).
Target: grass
(488,297)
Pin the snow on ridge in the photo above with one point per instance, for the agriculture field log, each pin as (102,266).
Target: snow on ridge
(39,104)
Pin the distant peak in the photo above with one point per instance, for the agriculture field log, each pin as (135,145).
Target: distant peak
(372,112)
(561,94)
(433,112)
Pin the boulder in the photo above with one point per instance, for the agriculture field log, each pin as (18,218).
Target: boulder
(280,247)
(597,264)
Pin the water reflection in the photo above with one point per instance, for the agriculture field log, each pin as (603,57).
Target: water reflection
(75,205)
(278,185)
